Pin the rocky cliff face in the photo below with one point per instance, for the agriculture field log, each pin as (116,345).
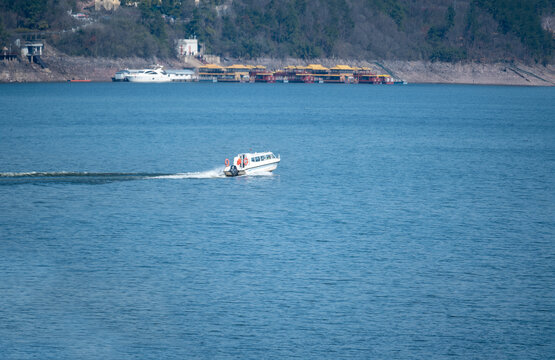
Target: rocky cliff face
(16,71)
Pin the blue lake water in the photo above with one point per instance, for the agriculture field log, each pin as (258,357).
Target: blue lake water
(407,222)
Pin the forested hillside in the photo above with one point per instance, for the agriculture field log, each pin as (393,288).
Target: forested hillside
(442,30)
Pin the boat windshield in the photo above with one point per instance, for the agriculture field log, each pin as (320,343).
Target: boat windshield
(263,157)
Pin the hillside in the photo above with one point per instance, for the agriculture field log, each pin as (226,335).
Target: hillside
(434,30)
(443,30)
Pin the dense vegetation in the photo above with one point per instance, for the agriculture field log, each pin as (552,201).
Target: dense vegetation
(279,27)
(522,17)
(35,14)
(439,30)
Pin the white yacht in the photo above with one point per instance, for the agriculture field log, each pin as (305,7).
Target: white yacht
(154,75)
(249,163)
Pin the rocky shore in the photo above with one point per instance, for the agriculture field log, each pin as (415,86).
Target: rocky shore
(61,67)
(474,73)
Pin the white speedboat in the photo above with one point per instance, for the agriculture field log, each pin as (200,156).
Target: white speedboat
(154,75)
(249,163)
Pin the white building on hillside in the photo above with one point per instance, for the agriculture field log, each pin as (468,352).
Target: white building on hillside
(187,47)
(106,4)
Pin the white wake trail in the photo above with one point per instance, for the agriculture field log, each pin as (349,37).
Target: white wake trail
(210,174)
(102,177)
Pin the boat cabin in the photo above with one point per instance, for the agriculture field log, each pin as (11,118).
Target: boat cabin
(253,159)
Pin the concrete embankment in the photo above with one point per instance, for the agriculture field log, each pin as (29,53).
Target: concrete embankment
(61,67)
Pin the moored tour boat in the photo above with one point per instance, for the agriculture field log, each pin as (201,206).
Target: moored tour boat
(249,163)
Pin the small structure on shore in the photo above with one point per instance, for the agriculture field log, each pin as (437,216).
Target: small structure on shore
(33,49)
(7,54)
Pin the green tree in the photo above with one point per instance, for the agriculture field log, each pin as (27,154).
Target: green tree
(30,13)
(450,17)
(393,8)
(4,35)
(522,17)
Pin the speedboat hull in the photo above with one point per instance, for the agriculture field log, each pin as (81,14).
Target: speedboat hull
(253,170)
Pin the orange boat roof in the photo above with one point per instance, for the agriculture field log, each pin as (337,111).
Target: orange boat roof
(239,66)
(316,67)
(211,66)
(342,67)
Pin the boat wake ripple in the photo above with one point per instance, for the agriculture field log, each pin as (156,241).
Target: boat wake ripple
(37,177)
(10,178)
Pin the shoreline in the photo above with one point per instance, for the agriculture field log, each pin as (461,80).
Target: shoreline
(181,82)
(62,68)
